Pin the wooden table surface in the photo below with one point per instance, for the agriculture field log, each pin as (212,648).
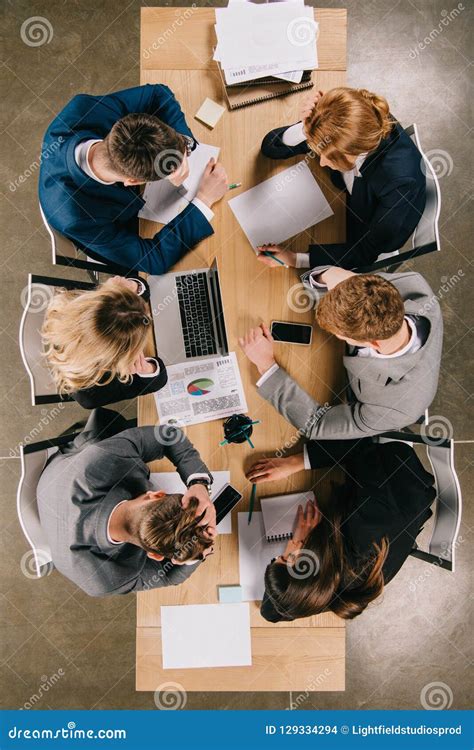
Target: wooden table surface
(308,654)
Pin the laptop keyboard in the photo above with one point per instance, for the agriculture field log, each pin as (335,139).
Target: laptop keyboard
(196,315)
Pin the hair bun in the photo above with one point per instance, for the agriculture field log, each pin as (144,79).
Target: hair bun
(381,109)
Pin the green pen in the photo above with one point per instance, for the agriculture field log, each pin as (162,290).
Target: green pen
(273,257)
(253,495)
(234,185)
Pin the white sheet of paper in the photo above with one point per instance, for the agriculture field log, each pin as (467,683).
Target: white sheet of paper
(170,482)
(201,390)
(281,207)
(164,201)
(255,553)
(206,635)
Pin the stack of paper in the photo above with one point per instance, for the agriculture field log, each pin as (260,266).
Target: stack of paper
(256,41)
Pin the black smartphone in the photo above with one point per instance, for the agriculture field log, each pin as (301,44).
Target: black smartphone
(227,499)
(292,333)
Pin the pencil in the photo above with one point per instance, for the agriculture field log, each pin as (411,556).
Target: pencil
(253,495)
(273,257)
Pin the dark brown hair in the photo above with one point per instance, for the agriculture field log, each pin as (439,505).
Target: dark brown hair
(145,148)
(332,582)
(165,527)
(348,121)
(364,307)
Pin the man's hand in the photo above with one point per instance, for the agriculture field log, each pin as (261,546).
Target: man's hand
(206,506)
(334,275)
(286,256)
(257,345)
(141,366)
(308,104)
(181,174)
(213,183)
(271,469)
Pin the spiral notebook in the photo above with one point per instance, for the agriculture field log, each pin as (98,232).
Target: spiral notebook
(279,514)
(254,92)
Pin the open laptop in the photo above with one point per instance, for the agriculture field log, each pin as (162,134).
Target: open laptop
(188,315)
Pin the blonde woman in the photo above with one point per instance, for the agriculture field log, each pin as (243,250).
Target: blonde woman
(371,158)
(95,340)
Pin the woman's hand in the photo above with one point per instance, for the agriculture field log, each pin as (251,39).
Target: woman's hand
(306,521)
(287,257)
(271,469)
(308,104)
(124,282)
(141,366)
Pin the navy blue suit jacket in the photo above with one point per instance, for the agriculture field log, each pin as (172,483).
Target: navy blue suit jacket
(103,218)
(386,204)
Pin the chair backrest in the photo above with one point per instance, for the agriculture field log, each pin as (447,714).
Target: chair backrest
(37,296)
(447,519)
(33,460)
(425,238)
(65,253)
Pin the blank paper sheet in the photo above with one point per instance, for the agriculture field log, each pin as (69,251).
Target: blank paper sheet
(206,635)
(281,207)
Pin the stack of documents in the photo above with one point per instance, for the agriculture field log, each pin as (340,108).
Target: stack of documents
(256,41)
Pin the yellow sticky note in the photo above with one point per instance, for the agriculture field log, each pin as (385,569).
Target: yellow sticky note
(209,112)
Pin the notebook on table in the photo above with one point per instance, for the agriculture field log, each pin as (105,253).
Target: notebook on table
(279,514)
(246,94)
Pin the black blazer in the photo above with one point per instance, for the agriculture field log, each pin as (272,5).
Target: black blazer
(386,204)
(390,495)
(102,395)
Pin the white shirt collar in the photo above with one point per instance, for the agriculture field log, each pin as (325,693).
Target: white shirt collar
(81,155)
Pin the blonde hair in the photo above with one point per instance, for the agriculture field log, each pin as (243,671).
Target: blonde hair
(348,121)
(92,337)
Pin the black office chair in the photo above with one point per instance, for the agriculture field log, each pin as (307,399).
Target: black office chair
(40,291)
(447,520)
(66,253)
(425,238)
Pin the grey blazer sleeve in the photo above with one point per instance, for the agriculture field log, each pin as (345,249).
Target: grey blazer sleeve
(314,420)
(155,575)
(152,443)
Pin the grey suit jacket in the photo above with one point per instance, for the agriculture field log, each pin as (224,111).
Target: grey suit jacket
(79,488)
(385,394)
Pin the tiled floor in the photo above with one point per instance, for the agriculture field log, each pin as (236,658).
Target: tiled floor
(82,649)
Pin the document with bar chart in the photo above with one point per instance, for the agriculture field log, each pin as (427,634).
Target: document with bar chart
(201,390)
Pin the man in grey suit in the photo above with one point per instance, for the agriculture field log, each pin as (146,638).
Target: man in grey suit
(109,532)
(393,330)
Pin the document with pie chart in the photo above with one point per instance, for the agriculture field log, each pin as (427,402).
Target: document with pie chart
(201,390)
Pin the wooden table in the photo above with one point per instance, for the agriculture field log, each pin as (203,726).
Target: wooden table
(309,654)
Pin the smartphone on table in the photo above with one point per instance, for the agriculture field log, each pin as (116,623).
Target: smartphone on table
(291,333)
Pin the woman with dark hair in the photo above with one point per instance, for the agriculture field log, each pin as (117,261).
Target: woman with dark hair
(342,555)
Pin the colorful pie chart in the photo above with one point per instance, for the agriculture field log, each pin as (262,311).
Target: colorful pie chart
(200,387)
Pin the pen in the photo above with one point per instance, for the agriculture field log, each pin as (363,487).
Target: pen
(234,185)
(273,257)
(253,495)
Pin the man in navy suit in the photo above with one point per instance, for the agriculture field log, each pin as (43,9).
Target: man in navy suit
(99,149)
